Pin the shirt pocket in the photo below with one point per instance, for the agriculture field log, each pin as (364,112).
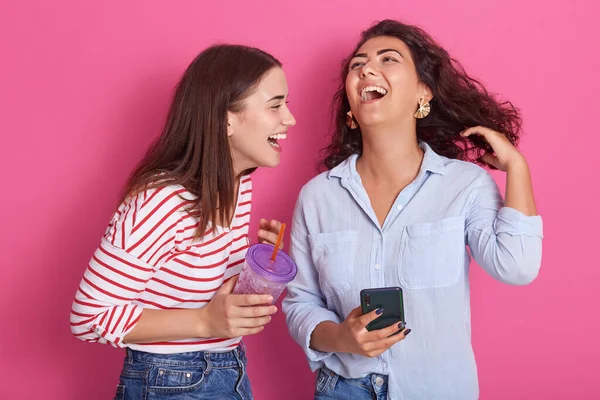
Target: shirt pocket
(432,253)
(333,255)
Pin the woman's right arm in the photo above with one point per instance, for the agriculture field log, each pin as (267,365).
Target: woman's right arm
(105,309)
(226,316)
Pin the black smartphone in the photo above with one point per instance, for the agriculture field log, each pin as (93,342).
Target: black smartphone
(388,298)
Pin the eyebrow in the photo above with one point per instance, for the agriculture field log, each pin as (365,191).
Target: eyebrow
(380,52)
(280,97)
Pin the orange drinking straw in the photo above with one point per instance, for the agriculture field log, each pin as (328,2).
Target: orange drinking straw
(278,243)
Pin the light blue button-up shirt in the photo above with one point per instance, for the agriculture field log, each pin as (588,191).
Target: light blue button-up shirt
(340,249)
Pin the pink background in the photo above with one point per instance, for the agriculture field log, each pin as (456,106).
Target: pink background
(84,89)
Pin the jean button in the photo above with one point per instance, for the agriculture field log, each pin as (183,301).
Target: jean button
(379,381)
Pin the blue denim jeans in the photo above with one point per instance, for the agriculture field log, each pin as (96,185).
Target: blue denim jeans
(333,386)
(184,376)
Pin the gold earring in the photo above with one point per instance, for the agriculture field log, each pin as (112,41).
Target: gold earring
(423,110)
(350,121)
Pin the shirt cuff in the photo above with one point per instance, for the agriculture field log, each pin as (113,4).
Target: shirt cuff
(314,318)
(116,335)
(515,222)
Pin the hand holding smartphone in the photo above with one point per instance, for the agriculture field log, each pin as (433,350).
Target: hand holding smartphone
(390,299)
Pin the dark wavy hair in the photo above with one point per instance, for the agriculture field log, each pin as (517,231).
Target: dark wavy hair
(459,102)
(193,149)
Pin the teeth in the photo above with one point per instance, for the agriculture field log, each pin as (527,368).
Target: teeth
(278,136)
(378,89)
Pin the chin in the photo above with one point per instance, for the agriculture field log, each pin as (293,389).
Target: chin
(371,122)
(370,119)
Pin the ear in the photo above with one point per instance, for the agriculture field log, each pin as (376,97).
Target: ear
(231,123)
(425,92)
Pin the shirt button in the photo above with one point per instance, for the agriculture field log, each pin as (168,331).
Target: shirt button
(384,364)
(399,207)
(377,266)
(379,381)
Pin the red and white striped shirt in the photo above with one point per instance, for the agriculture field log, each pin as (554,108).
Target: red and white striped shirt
(148,258)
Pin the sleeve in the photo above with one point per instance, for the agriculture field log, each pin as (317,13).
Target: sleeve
(141,233)
(503,241)
(304,306)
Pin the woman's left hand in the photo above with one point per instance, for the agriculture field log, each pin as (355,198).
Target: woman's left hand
(268,232)
(505,153)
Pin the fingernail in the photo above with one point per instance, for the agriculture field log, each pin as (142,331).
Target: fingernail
(406,332)
(379,311)
(270,299)
(402,325)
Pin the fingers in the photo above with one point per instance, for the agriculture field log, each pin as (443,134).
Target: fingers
(375,348)
(252,322)
(385,333)
(392,340)
(264,224)
(479,130)
(369,317)
(275,225)
(267,236)
(272,225)
(254,312)
(495,139)
(244,300)
(355,313)
(269,230)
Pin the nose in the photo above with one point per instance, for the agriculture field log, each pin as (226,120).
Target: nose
(368,69)
(288,119)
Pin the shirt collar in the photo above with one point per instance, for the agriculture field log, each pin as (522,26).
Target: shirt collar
(432,162)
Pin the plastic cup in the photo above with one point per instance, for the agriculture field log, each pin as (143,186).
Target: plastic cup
(261,275)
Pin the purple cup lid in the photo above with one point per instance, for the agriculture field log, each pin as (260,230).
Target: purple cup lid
(282,270)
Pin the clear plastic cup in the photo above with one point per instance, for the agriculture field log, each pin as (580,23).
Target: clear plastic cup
(261,275)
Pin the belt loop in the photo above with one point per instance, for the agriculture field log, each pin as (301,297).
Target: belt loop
(129,355)
(208,362)
(333,378)
(237,356)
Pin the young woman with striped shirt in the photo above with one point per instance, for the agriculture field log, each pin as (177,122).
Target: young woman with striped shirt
(160,282)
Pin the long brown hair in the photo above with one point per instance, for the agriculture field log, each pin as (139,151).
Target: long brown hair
(193,149)
(459,102)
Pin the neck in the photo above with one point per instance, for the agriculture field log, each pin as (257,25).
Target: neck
(390,154)
(238,167)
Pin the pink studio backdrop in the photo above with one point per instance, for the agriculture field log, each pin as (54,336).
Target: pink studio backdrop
(84,88)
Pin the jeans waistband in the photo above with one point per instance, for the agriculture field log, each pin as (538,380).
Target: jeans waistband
(237,356)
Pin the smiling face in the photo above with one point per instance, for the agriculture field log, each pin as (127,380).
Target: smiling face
(254,133)
(382,85)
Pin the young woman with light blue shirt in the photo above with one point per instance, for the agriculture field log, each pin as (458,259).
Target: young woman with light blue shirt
(398,206)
